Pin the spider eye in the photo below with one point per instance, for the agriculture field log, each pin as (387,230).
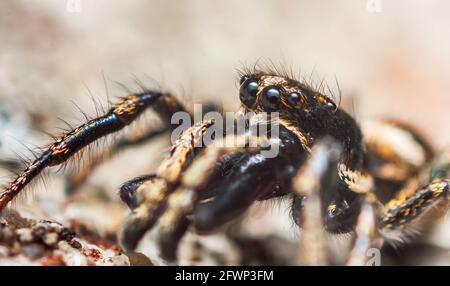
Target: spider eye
(248,91)
(271,97)
(293,98)
(243,79)
(331,106)
(327,103)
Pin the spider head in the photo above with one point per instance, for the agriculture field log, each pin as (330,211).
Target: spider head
(264,92)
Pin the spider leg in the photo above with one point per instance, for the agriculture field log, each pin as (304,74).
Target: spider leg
(395,153)
(393,220)
(394,164)
(419,196)
(147,197)
(76,180)
(367,236)
(128,190)
(317,176)
(173,207)
(174,222)
(253,178)
(256,177)
(122,113)
(404,209)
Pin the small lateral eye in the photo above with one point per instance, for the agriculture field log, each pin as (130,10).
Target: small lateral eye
(293,98)
(243,79)
(331,106)
(327,103)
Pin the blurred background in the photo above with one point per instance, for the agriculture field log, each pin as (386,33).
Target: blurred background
(390,59)
(391,56)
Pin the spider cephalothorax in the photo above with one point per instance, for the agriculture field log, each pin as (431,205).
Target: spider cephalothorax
(270,92)
(311,116)
(337,179)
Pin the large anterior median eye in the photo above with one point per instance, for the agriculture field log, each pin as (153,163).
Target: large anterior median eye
(270,98)
(247,93)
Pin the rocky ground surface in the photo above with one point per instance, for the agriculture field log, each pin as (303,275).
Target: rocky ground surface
(47,243)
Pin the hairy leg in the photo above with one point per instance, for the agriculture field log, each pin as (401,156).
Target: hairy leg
(367,237)
(254,177)
(165,110)
(147,196)
(167,202)
(316,177)
(395,153)
(122,113)
(417,199)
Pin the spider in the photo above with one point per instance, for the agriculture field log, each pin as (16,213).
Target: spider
(381,187)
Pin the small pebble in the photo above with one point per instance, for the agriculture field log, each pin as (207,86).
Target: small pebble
(25,235)
(33,251)
(50,239)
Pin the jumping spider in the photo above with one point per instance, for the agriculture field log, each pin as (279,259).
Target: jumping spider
(381,186)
